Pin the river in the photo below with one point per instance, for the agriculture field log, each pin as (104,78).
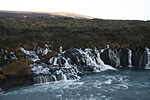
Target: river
(124,84)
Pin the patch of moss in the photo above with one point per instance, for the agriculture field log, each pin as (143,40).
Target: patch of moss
(16,69)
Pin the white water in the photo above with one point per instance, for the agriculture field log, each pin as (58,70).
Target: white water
(53,77)
(7,55)
(107,85)
(129,58)
(39,69)
(69,71)
(94,60)
(88,58)
(44,51)
(61,67)
(114,55)
(31,55)
(64,77)
(148,56)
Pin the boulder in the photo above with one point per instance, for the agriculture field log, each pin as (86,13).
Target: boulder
(16,73)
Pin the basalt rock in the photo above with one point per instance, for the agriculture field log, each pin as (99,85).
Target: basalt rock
(10,82)
(124,57)
(15,74)
(108,57)
(69,64)
(140,58)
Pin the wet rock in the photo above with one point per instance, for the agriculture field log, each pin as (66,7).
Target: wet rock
(143,60)
(1,90)
(74,56)
(106,58)
(17,68)
(16,73)
(68,65)
(139,58)
(124,57)
(15,81)
(45,58)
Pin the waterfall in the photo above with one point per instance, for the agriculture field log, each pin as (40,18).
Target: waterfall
(114,55)
(31,55)
(100,62)
(148,56)
(94,59)
(64,66)
(43,51)
(44,79)
(64,77)
(71,64)
(129,58)
(13,56)
(53,60)
(53,78)
(40,79)
(60,49)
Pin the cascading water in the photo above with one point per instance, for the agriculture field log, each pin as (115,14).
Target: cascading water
(129,59)
(148,57)
(43,51)
(114,55)
(71,64)
(92,58)
(63,67)
(31,55)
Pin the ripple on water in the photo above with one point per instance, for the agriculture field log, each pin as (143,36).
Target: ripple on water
(104,85)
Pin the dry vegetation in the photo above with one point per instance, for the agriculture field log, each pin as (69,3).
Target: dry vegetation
(16,69)
(70,33)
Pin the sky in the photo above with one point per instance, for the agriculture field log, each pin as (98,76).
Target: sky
(105,9)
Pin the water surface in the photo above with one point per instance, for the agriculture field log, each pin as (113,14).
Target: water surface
(107,85)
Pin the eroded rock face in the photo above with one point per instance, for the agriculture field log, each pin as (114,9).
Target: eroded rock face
(109,57)
(46,65)
(18,68)
(140,58)
(124,57)
(15,81)
(16,73)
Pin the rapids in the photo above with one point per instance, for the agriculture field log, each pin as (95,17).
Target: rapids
(106,85)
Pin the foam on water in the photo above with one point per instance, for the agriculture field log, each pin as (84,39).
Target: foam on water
(105,85)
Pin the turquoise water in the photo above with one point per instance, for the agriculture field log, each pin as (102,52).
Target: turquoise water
(107,85)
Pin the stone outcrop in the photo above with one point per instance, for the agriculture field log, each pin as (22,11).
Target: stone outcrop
(46,65)
(15,74)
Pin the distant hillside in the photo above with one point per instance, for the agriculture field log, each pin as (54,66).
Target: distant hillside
(73,32)
(40,14)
